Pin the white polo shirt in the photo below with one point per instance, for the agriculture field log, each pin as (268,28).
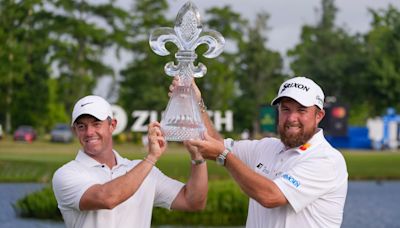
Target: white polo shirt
(74,178)
(313,179)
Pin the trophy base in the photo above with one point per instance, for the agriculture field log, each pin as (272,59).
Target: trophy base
(182,133)
(182,119)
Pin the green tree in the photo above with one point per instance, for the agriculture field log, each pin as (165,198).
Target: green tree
(82,33)
(144,85)
(260,73)
(70,36)
(56,109)
(383,67)
(218,85)
(334,59)
(23,75)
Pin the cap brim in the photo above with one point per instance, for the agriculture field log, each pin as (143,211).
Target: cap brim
(98,116)
(275,101)
(278,98)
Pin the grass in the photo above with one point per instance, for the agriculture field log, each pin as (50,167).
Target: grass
(367,165)
(37,161)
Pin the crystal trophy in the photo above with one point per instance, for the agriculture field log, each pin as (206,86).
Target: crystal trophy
(182,118)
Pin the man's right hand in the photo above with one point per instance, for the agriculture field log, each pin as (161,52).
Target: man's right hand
(175,83)
(157,143)
(209,148)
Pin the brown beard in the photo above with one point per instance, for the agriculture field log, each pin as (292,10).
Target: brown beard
(295,140)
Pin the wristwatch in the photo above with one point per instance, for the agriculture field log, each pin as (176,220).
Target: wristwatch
(222,157)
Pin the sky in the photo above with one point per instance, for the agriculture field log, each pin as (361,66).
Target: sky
(286,17)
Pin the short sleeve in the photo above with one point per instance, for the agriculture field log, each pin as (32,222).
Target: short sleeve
(69,185)
(249,151)
(307,181)
(166,189)
(243,149)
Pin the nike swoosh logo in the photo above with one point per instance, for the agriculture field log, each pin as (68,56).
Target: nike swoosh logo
(86,104)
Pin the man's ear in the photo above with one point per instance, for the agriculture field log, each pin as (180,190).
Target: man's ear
(320,115)
(113,124)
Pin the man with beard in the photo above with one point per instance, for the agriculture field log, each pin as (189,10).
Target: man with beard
(299,180)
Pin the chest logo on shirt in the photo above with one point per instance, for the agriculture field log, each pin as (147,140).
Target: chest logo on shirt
(263,169)
(291,179)
(304,147)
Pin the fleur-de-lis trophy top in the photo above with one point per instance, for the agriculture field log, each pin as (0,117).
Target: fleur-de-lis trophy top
(182,119)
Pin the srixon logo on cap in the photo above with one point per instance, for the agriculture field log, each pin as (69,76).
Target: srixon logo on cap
(295,85)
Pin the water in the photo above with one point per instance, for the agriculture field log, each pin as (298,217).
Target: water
(10,193)
(369,204)
(372,204)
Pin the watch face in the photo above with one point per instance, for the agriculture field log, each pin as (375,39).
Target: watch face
(220,160)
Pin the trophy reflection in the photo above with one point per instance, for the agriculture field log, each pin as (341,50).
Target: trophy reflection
(182,117)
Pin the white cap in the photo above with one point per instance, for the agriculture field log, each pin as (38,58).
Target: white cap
(92,105)
(303,90)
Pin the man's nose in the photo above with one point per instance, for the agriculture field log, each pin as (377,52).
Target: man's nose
(292,116)
(90,130)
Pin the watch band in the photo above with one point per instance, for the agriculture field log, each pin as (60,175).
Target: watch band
(221,158)
(146,159)
(198,161)
(225,152)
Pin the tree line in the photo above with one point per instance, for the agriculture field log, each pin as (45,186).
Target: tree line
(53,52)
